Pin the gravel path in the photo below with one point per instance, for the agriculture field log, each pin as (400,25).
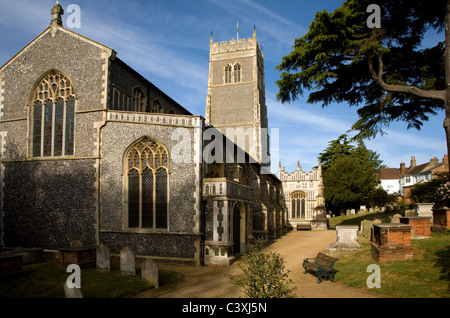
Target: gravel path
(211,282)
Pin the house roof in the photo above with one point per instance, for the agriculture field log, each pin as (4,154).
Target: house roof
(389,173)
(417,169)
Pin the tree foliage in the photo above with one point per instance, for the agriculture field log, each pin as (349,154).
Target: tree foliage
(349,173)
(264,275)
(432,191)
(387,72)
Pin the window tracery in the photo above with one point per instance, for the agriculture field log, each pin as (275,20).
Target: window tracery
(232,73)
(298,205)
(147,177)
(53,116)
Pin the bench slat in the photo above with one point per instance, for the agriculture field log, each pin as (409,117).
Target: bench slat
(322,265)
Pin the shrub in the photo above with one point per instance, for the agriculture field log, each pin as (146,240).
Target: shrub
(435,191)
(264,274)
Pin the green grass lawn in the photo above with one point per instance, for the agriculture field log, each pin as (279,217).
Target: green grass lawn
(45,280)
(426,275)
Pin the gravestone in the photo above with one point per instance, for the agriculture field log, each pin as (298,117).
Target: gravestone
(441,217)
(149,270)
(396,218)
(346,240)
(424,210)
(366,227)
(127,261)
(391,241)
(420,226)
(103,258)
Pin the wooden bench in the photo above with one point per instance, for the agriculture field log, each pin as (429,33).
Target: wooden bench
(322,265)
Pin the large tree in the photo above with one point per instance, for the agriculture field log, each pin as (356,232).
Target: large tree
(349,173)
(388,72)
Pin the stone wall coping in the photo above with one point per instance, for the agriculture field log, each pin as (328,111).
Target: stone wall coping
(347,227)
(77,249)
(392,225)
(416,217)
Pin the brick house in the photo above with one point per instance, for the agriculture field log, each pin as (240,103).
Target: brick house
(400,180)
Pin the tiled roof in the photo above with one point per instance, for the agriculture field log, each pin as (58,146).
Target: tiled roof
(389,173)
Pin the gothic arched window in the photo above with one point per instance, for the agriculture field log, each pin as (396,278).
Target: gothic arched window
(157,107)
(228,72)
(298,208)
(139,100)
(147,183)
(237,73)
(53,116)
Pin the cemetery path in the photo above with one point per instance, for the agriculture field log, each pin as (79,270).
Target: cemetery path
(293,247)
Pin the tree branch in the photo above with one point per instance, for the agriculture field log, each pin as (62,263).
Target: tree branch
(378,77)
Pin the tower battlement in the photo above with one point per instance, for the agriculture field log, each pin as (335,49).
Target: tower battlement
(235,45)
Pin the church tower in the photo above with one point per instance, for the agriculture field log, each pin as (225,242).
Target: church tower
(236,103)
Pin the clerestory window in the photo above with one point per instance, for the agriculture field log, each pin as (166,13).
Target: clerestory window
(53,116)
(147,183)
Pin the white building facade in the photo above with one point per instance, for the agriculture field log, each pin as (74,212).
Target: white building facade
(304,197)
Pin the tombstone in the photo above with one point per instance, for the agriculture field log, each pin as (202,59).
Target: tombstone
(346,240)
(72,292)
(441,217)
(396,218)
(362,208)
(103,258)
(366,227)
(420,226)
(150,273)
(391,241)
(352,211)
(127,261)
(424,210)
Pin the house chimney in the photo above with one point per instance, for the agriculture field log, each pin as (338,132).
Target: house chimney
(402,168)
(434,161)
(413,162)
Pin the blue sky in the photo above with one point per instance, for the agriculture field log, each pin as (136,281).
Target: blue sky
(168,43)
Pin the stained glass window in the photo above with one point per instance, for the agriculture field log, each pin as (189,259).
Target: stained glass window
(147,166)
(53,116)
(298,201)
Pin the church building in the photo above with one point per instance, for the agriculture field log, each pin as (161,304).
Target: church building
(92,151)
(304,197)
